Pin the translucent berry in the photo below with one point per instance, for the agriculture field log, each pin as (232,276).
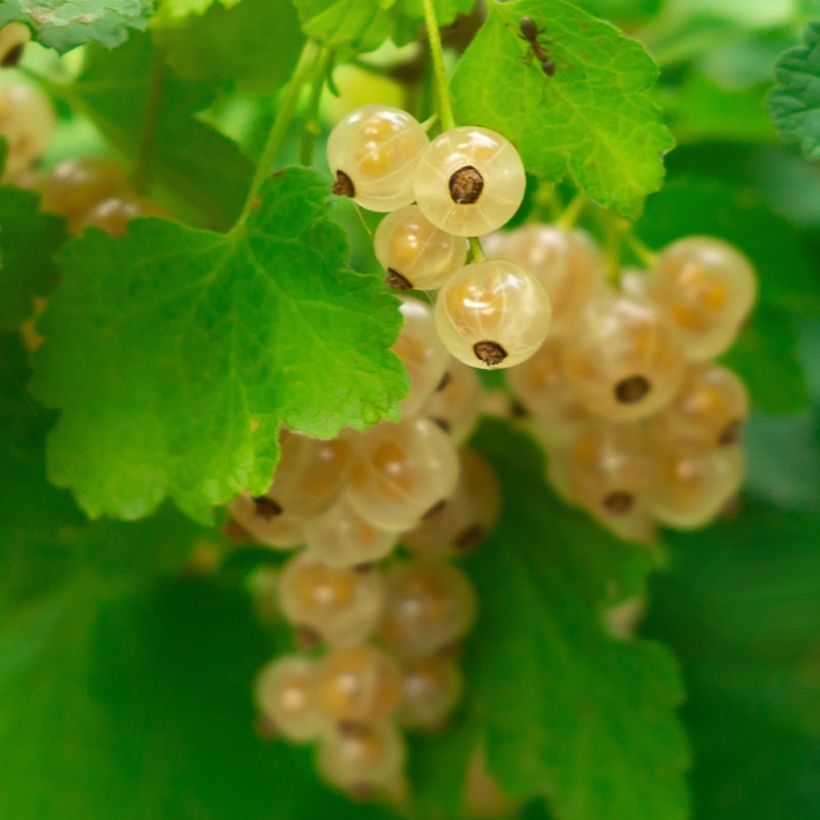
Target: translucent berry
(76,186)
(625,360)
(429,606)
(286,698)
(421,352)
(466,519)
(415,253)
(541,388)
(27,123)
(401,471)
(492,314)
(13,39)
(708,411)
(469,181)
(359,758)
(373,153)
(114,214)
(265,523)
(342,538)
(707,287)
(338,606)
(568,265)
(690,489)
(358,685)
(454,404)
(431,688)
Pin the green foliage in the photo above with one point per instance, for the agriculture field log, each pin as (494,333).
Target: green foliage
(361,24)
(173,11)
(594,120)
(565,711)
(794,104)
(234,44)
(176,354)
(64,24)
(191,166)
(28,242)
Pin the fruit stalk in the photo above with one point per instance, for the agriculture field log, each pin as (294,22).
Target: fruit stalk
(445,103)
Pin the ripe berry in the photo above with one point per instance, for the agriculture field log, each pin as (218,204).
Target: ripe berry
(625,360)
(13,39)
(113,215)
(708,411)
(421,352)
(454,404)
(492,314)
(689,489)
(400,471)
(466,518)
(429,605)
(358,685)
(27,123)
(374,152)
(340,537)
(431,688)
(338,606)
(264,521)
(707,287)
(469,181)
(568,265)
(415,252)
(285,696)
(76,186)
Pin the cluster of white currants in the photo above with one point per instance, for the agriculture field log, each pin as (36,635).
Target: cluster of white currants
(466,182)
(639,423)
(390,634)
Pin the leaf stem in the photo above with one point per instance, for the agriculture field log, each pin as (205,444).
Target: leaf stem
(141,175)
(445,103)
(284,115)
(310,130)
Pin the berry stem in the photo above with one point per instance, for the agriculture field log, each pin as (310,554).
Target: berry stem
(647,256)
(284,115)
(445,103)
(476,251)
(310,130)
(569,216)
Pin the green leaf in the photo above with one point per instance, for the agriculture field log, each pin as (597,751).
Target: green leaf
(362,24)
(594,120)
(64,24)
(171,11)
(565,711)
(175,354)
(149,115)
(236,44)
(794,104)
(446,10)
(28,241)
(740,605)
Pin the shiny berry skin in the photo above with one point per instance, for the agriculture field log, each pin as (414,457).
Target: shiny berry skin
(568,265)
(265,522)
(285,696)
(114,214)
(400,471)
(373,153)
(492,314)
(708,411)
(338,606)
(707,287)
(27,122)
(469,181)
(76,186)
(624,361)
(454,404)
(415,253)
(421,352)
(431,688)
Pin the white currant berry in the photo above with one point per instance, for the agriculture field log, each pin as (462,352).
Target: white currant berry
(265,523)
(415,253)
(373,153)
(27,123)
(431,688)
(454,404)
(467,517)
(421,352)
(469,181)
(13,39)
(285,696)
(401,471)
(624,361)
(76,186)
(338,606)
(492,314)
(707,287)
(114,214)
(568,264)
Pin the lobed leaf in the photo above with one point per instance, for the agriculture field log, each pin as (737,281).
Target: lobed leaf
(175,354)
(362,24)
(794,103)
(65,24)
(594,120)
